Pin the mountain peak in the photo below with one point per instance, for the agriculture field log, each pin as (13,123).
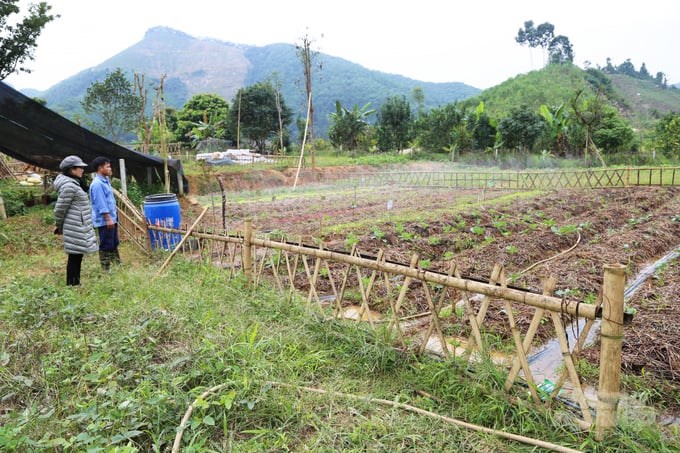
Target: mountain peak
(165,32)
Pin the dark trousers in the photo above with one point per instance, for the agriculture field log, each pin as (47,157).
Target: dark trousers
(73,269)
(108,246)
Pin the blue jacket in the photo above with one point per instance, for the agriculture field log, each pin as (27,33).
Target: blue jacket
(103,201)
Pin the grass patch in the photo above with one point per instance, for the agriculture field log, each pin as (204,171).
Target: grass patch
(113,366)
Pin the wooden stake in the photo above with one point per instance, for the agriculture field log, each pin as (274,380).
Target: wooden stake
(247,250)
(611,339)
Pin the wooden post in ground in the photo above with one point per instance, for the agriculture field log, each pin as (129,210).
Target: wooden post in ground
(247,250)
(123,176)
(611,339)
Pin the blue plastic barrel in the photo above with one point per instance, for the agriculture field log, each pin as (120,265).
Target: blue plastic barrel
(163,210)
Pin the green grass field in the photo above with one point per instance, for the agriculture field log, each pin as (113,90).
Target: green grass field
(113,366)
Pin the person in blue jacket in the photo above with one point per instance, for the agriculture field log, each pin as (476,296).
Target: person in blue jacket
(104,212)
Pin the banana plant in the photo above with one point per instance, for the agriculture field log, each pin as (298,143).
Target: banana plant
(557,120)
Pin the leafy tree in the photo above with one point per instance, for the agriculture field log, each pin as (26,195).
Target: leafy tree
(521,129)
(394,124)
(644,73)
(599,81)
(434,129)
(419,98)
(277,84)
(667,138)
(588,114)
(18,41)
(540,36)
(259,113)
(612,133)
(112,106)
(483,131)
(609,68)
(545,33)
(348,126)
(203,116)
(661,80)
(560,50)
(627,68)
(527,35)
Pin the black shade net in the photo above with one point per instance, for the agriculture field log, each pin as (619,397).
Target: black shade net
(34,134)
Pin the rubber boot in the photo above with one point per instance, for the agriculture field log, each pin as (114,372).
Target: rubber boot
(105,259)
(115,257)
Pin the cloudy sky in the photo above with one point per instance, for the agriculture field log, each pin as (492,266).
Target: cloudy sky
(435,41)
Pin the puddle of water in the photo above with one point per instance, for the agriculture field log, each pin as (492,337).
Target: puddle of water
(545,362)
(457,346)
(353,312)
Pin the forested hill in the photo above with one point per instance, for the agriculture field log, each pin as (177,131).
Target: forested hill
(194,66)
(640,101)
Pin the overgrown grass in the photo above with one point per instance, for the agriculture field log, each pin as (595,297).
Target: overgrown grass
(113,366)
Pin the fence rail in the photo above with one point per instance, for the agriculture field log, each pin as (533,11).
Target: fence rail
(336,279)
(389,293)
(528,180)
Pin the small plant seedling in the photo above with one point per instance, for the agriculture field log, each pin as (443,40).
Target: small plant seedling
(478,230)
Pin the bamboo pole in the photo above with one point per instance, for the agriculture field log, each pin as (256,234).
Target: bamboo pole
(556,304)
(181,243)
(611,339)
(548,287)
(247,250)
(199,234)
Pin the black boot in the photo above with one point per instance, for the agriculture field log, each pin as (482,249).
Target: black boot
(105,259)
(73,269)
(115,257)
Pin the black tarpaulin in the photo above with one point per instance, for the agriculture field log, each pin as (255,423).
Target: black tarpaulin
(34,134)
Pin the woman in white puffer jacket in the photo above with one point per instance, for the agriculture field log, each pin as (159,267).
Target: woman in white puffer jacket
(73,216)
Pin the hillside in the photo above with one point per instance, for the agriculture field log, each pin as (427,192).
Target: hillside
(194,66)
(640,101)
(646,101)
(551,85)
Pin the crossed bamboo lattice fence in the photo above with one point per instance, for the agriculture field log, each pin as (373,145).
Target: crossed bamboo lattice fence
(330,280)
(527,180)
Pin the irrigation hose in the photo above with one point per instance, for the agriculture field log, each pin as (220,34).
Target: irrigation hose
(554,256)
(406,407)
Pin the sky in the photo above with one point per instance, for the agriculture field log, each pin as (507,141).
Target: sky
(427,40)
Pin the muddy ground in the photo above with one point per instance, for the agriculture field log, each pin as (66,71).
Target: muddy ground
(569,234)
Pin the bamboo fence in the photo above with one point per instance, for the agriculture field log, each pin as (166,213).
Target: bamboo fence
(387,294)
(526,180)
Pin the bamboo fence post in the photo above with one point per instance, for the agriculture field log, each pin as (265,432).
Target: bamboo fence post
(3,213)
(611,339)
(247,250)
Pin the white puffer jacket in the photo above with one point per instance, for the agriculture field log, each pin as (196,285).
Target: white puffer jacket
(73,216)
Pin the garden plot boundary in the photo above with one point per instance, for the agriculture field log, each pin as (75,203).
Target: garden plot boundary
(332,279)
(525,180)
